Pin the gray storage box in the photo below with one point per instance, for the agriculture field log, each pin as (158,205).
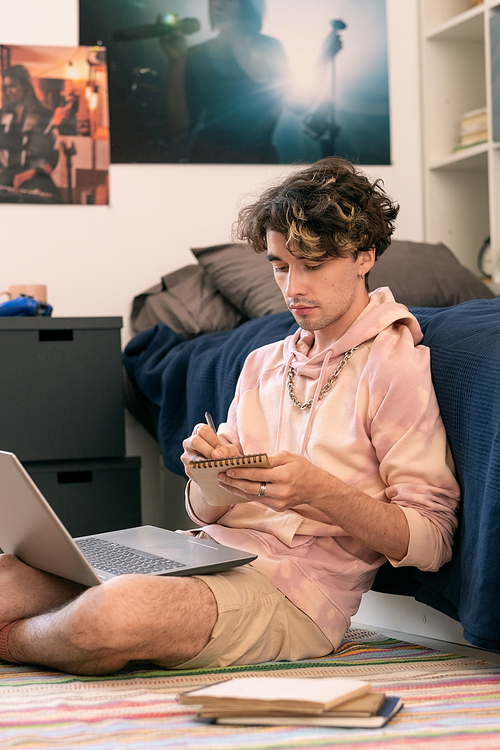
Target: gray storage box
(61,391)
(91,497)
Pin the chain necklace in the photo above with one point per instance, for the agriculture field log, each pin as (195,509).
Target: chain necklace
(331,380)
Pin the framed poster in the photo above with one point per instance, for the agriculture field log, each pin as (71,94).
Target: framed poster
(244,81)
(54,125)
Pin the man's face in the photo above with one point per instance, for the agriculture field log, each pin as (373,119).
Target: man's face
(325,295)
(223,12)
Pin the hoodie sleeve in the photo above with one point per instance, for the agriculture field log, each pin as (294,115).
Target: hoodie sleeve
(408,435)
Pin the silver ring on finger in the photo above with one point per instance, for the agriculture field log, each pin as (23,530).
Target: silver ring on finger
(262,490)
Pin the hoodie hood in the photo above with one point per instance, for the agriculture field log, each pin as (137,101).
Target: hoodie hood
(381,312)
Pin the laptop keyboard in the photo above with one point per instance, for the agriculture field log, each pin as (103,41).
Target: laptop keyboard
(120,559)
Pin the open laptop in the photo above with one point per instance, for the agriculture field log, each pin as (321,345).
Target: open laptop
(30,529)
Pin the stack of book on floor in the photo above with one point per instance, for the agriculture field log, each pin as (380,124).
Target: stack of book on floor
(322,701)
(473,128)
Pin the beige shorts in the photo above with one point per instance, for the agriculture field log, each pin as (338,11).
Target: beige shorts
(256,623)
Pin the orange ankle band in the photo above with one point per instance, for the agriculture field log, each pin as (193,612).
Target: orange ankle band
(4,643)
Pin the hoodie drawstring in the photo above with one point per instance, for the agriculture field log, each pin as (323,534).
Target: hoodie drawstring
(282,401)
(321,381)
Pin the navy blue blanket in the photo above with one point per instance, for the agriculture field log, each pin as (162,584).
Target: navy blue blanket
(181,379)
(465,356)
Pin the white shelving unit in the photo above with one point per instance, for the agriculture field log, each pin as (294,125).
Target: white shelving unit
(462,187)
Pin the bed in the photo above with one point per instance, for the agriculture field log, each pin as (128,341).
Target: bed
(197,325)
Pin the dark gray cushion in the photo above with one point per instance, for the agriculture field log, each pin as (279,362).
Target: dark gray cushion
(188,302)
(243,276)
(422,274)
(419,274)
(233,283)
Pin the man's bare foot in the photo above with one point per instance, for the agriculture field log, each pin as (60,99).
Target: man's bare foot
(27,591)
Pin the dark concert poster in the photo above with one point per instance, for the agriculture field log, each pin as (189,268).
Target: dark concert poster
(54,125)
(244,81)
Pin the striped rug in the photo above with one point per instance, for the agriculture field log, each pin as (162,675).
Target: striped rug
(451,702)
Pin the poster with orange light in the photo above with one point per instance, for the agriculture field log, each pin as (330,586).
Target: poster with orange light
(54,125)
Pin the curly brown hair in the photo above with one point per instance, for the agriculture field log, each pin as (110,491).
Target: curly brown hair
(329,210)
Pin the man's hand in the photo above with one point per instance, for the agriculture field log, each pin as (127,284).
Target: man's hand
(204,443)
(293,480)
(174,46)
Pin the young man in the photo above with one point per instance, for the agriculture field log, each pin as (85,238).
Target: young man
(360,472)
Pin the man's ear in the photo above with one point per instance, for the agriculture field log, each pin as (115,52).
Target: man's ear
(366,260)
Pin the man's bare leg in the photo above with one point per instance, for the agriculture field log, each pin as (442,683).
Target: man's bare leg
(27,591)
(167,620)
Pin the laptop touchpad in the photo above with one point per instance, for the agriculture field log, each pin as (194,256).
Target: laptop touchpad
(185,548)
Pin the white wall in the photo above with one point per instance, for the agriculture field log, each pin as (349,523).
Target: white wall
(95,259)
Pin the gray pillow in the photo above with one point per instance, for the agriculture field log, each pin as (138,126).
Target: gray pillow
(419,274)
(426,275)
(243,276)
(188,302)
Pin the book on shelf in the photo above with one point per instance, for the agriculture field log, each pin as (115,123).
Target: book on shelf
(206,471)
(472,139)
(474,117)
(293,701)
(473,128)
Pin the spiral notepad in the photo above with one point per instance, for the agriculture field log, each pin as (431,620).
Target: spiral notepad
(206,471)
(254,460)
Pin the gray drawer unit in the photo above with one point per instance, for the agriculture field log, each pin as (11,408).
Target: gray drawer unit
(61,392)
(91,497)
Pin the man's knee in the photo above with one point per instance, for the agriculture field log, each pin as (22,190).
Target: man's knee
(134,613)
(104,617)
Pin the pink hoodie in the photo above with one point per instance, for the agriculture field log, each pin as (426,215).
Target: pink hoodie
(378,429)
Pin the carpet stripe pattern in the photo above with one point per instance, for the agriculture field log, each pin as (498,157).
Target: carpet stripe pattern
(451,702)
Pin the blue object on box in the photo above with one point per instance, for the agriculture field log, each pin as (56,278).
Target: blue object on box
(25,306)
